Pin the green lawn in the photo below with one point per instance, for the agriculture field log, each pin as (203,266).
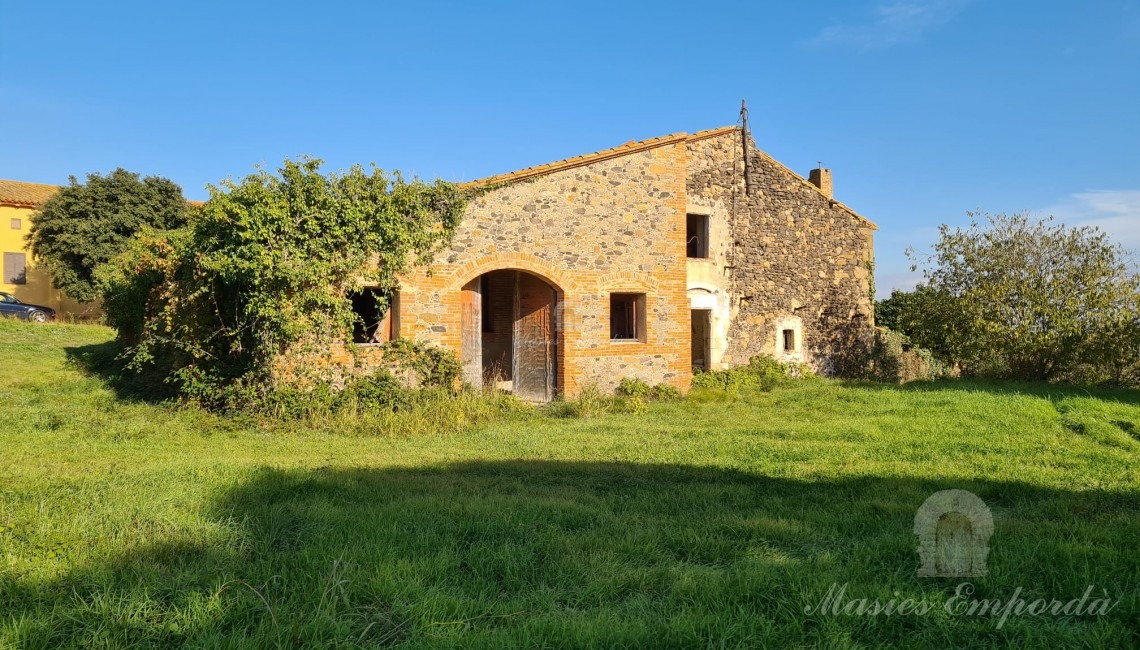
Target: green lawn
(711,522)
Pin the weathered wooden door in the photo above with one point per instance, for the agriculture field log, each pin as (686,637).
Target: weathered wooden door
(471,343)
(534,357)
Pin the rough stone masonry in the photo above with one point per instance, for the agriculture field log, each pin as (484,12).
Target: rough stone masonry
(787,271)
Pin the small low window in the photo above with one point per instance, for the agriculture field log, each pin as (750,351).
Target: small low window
(627,317)
(789,340)
(17,224)
(15,268)
(376,315)
(697,236)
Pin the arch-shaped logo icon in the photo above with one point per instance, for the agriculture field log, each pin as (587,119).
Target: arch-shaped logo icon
(953,529)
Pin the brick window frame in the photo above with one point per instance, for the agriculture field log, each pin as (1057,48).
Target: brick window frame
(628,322)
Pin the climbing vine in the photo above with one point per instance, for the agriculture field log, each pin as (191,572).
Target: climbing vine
(261,275)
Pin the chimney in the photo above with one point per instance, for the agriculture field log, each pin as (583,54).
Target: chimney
(821,178)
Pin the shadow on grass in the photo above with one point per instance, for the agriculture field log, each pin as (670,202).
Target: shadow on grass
(556,554)
(1053,392)
(104,360)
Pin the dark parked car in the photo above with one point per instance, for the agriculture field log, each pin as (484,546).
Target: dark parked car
(11,307)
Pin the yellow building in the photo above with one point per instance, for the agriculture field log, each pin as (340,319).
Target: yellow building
(21,277)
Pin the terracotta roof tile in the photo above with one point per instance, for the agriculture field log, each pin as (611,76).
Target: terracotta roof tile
(634,146)
(19,194)
(630,147)
(25,195)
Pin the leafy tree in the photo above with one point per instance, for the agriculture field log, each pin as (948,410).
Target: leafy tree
(259,281)
(1020,297)
(909,313)
(82,227)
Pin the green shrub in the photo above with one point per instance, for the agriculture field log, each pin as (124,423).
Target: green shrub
(891,357)
(761,373)
(589,402)
(630,387)
(262,273)
(292,403)
(636,405)
(422,365)
(378,391)
(666,393)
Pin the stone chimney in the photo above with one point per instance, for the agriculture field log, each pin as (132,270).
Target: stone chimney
(821,178)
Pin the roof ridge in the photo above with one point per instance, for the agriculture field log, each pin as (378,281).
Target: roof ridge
(633,146)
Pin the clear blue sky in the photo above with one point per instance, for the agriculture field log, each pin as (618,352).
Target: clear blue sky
(923,109)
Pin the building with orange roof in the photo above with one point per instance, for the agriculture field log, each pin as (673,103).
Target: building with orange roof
(648,260)
(21,277)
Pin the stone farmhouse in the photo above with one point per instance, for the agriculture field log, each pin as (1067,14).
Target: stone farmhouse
(647,260)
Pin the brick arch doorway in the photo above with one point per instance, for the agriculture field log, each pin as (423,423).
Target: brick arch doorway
(510,333)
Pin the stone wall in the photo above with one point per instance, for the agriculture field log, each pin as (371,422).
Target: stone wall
(612,226)
(795,253)
(782,255)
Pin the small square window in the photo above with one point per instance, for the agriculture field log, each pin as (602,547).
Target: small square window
(697,236)
(377,315)
(627,317)
(17,224)
(789,340)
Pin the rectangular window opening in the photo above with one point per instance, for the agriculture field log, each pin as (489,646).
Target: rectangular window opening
(15,268)
(697,236)
(377,315)
(627,317)
(789,340)
(17,224)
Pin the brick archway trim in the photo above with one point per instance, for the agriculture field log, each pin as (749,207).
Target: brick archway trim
(520,261)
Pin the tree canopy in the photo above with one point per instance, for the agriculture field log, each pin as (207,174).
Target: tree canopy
(266,268)
(84,226)
(1016,296)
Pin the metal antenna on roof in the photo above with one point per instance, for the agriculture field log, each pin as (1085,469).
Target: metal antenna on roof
(745,136)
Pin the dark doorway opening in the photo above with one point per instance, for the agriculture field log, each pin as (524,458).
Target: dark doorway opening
(701,338)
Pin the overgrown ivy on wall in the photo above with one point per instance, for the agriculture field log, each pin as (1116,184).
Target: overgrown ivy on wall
(264,269)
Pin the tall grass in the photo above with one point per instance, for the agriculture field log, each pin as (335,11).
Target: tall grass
(477,521)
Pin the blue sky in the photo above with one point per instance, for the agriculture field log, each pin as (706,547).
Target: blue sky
(923,109)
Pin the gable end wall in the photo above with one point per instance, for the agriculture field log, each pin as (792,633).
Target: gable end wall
(793,255)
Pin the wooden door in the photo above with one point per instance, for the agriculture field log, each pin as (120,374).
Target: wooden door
(534,348)
(471,343)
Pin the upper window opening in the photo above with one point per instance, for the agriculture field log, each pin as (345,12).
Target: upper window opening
(376,315)
(697,236)
(17,224)
(627,317)
(789,340)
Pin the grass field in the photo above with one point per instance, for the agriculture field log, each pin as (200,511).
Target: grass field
(711,522)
